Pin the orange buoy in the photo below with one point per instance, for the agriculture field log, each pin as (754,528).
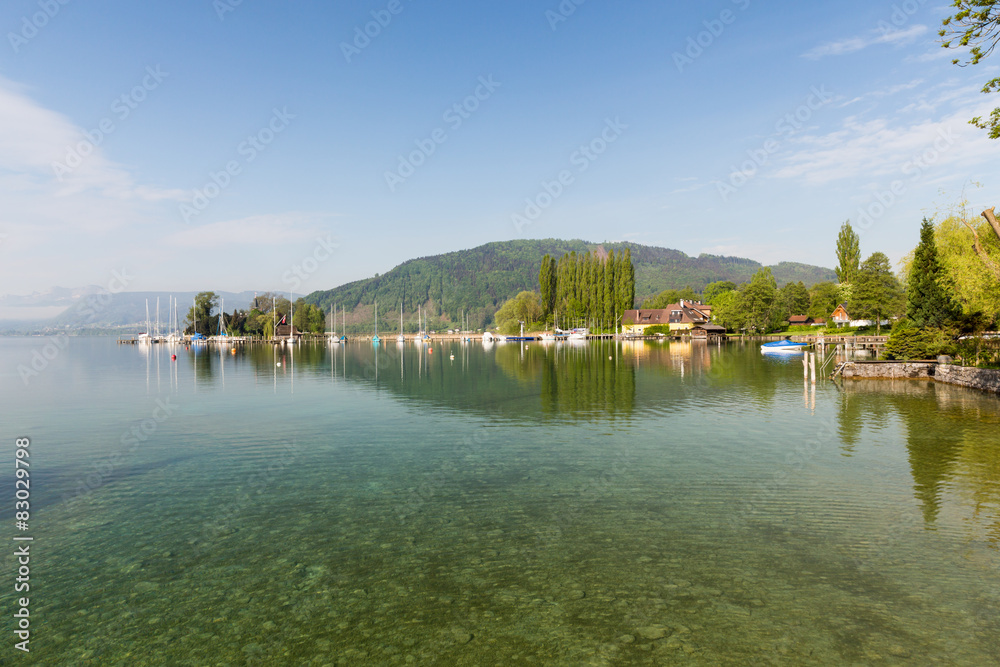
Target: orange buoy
(173,357)
(430,350)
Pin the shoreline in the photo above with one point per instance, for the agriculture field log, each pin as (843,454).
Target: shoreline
(983,379)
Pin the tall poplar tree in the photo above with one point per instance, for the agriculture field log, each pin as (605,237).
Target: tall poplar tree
(547,285)
(608,300)
(848,253)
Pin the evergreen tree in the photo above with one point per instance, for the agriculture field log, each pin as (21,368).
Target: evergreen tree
(928,303)
(877,293)
(848,253)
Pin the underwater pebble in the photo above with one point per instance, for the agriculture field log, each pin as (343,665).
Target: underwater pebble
(652,631)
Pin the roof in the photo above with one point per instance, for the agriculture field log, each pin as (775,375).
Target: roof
(799,319)
(283,330)
(711,328)
(685,312)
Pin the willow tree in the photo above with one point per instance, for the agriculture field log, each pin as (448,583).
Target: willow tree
(975,291)
(992,264)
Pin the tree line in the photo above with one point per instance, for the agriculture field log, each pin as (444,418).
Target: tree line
(589,289)
(869,290)
(259,319)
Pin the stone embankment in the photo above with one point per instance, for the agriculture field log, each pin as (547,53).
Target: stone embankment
(976,378)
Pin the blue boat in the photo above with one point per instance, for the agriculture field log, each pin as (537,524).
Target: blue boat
(783,346)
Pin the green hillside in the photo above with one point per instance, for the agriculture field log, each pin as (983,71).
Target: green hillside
(479,280)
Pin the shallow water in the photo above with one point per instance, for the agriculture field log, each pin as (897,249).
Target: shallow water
(630,503)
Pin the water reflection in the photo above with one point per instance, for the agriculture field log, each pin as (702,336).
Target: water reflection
(952,441)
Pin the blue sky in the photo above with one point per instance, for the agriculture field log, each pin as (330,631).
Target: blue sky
(266,145)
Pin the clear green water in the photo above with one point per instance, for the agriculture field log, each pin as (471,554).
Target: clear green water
(600,504)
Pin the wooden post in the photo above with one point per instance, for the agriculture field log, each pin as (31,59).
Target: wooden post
(805,366)
(812,366)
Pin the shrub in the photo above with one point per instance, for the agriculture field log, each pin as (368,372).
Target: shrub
(908,341)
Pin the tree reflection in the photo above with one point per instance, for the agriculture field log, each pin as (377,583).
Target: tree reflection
(952,440)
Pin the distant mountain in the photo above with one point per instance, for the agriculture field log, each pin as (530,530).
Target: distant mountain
(91,308)
(479,280)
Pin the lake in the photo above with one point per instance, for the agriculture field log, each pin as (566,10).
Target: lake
(593,504)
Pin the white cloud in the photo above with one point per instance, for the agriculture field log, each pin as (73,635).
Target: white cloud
(262,230)
(854,44)
(53,157)
(890,146)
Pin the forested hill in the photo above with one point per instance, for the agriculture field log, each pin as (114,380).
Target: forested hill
(479,280)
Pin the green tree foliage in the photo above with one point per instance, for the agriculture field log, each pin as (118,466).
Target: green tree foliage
(547,278)
(794,300)
(308,318)
(976,291)
(718,287)
(726,310)
(759,303)
(823,299)
(908,341)
(848,253)
(525,307)
(929,303)
(624,283)
(200,318)
(591,287)
(877,292)
(669,296)
(976,25)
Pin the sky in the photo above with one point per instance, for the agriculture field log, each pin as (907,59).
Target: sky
(294,146)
